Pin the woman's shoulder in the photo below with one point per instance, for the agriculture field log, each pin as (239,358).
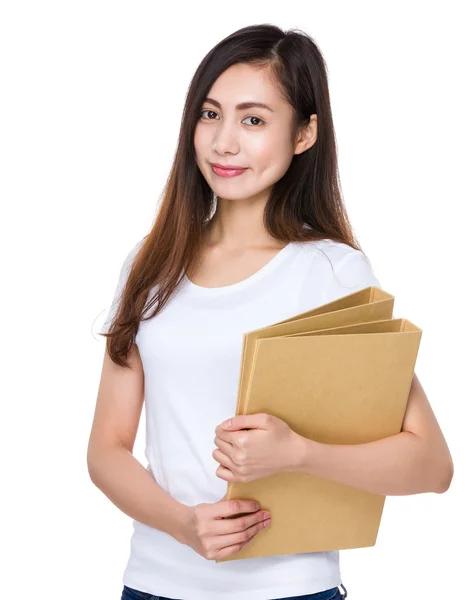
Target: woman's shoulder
(336,252)
(340,266)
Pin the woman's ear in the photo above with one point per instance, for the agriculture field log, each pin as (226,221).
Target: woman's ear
(307,136)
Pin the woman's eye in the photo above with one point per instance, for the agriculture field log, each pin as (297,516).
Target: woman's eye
(211,112)
(257,118)
(208,111)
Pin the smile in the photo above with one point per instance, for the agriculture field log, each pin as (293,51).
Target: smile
(227,172)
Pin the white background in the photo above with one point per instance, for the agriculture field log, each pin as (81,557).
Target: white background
(91,102)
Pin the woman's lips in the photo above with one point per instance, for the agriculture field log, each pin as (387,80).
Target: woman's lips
(227,172)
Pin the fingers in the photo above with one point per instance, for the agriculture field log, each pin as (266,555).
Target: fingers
(224,460)
(228,508)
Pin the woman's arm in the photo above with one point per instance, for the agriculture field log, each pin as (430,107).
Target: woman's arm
(111,464)
(124,480)
(415,461)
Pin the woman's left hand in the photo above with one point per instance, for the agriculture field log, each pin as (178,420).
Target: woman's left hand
(270,446)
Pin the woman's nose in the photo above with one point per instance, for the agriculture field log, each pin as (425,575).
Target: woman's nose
(226,140)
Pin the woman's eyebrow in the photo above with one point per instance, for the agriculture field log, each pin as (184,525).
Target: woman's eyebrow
(242,105)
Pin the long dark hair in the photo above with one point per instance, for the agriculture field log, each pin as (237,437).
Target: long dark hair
(308,193)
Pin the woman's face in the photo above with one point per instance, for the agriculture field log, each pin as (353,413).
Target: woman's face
(254,137)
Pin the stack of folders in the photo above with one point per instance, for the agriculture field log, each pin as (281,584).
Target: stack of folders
(338,374)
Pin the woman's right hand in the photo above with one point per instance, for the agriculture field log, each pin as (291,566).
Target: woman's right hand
(213,537)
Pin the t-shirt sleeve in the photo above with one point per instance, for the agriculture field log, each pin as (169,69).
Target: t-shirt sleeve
(351,274)
(123,276)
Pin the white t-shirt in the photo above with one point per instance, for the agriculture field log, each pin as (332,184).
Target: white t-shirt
(191,359)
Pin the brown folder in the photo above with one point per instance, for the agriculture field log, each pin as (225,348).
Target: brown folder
(338,374)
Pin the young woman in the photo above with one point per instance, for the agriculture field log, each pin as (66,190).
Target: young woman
(251,230)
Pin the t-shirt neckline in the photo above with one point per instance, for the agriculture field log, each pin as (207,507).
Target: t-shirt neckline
(225,289)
